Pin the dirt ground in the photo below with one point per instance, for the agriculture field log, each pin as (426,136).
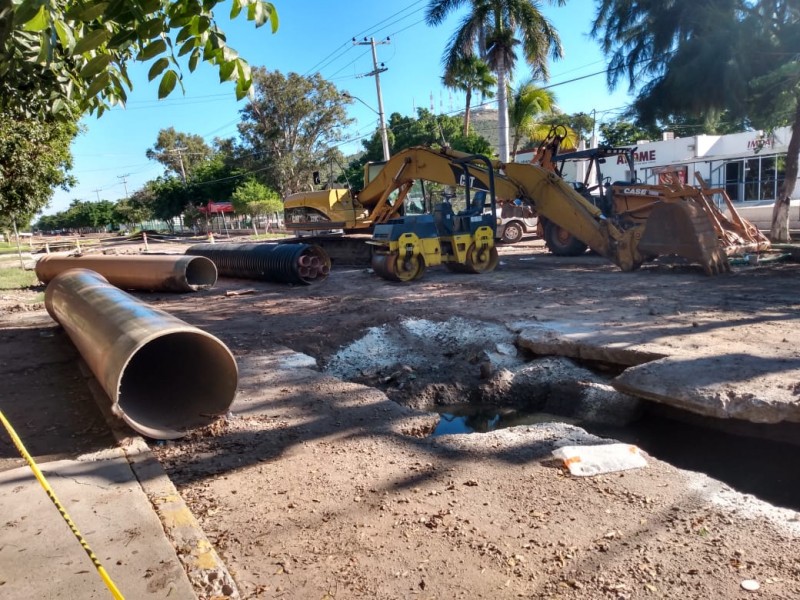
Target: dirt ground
(324,481)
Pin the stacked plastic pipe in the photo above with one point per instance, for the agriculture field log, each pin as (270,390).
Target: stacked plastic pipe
(282,263)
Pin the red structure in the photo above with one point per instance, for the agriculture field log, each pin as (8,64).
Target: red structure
(214,208)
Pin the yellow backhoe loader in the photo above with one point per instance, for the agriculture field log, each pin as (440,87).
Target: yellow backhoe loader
(677,219)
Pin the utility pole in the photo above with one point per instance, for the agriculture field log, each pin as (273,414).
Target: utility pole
(376,71)
(124,182)
(97,191)
(180,158)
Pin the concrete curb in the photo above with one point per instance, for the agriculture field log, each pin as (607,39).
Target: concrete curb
(207,573)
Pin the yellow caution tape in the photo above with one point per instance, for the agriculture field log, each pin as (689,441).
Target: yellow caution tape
(51,494)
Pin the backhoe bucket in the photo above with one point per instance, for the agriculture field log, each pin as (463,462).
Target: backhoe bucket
(683,229)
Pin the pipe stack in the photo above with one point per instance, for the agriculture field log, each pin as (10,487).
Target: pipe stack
(281,263)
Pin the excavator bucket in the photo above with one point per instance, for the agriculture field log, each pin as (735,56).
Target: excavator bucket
(682,228)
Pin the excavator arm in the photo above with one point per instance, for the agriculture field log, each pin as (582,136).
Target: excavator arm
(557,201)
(444,166)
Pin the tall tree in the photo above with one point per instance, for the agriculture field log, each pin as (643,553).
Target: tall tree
(179,152)
(292,123)
(66,57)
(469,74)
(255,199)
(34,160)
(527,105)
(581,123)
(427,129)
(624,133)
(492,28)
(696,59)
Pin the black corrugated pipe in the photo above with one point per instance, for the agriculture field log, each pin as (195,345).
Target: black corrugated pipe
(282,263)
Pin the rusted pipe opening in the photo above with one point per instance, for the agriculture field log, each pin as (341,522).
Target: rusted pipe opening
(201,273)
(176,382)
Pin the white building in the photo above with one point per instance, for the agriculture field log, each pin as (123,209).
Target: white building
(750,166)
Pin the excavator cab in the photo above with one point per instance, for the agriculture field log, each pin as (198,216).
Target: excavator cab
(462,240)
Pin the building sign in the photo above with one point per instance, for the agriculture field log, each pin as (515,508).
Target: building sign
(642,156)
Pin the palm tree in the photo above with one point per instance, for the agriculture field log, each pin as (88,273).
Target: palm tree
(527,104)
(500,21)
(470,74)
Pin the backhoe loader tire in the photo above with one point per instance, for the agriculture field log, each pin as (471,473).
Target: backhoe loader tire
(560,242)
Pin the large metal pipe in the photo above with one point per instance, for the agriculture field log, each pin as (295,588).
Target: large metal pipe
(149,272)
(163,376)
(282,263)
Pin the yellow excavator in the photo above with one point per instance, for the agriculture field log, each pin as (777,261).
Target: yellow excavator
(677,227)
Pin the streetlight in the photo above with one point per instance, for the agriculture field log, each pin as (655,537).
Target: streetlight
(384,136)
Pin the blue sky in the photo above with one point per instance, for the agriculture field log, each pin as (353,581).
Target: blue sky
(316,35)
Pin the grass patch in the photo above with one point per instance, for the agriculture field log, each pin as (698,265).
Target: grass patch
(7,248)
(16,279)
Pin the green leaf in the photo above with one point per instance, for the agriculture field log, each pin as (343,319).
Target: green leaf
(236,8)
(91,40)
(150,6)
(186,48)
(273,17)
(152,50)
(92,12)
(194,59)
(157,68)
(150,29)
(226,71)
(98,84)
(58,106)
(167,84)
(184,34)
(64,34)
(95,66)
(38,22)
(242,88)
(122,39)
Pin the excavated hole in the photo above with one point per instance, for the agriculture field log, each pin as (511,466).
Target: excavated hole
(477,380)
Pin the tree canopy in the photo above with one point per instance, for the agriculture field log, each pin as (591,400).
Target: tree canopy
(696,60)
(496,30)
(66,58)
(291,125)
(179,152)
(427,129)
(34,160)
(469,74)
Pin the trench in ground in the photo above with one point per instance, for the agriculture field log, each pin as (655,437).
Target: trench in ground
(747,461)
(751,458)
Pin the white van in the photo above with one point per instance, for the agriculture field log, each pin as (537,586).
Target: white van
(514,221)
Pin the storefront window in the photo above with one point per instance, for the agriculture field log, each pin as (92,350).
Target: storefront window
(767,178)
(751,178)
(757,178)
(780,173)
(733,177)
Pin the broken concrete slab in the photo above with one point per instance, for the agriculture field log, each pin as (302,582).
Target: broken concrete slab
(751,388)
(747,381)
(582,341)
